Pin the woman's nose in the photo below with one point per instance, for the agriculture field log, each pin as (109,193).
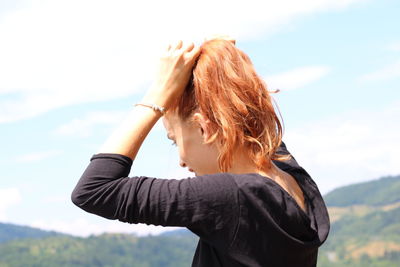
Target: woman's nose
(183,164)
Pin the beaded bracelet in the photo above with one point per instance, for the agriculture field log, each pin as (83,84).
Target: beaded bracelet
(153,107)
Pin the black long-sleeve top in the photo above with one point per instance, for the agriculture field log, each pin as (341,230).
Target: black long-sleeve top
(241,219)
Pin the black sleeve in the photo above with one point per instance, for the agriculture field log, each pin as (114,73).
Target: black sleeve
(204,204)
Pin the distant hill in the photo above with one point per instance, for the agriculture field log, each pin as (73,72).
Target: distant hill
(180,232)
(370,240)
(104,250)
(375,193)
(365,225)
(12,231)
(378,225)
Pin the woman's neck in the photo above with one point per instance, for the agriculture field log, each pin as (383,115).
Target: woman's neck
(242,163)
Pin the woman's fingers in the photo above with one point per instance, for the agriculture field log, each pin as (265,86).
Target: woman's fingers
(186,50)
(174,46)
(191,51)
(189,47)
(174,71)
(179,44)
(195,52)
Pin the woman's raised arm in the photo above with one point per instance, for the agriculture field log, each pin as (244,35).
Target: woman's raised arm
(174,72)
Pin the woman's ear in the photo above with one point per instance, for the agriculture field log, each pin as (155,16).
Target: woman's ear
(204,125)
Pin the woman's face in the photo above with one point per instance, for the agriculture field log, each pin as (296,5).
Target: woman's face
(198,157)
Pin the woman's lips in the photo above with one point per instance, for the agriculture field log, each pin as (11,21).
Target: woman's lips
(191,170)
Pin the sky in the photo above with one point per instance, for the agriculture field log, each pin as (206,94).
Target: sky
(71,70)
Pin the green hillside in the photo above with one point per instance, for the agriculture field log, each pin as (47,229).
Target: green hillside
(365,229)
(370,238)
(104,250)
(11,232)
(378,192)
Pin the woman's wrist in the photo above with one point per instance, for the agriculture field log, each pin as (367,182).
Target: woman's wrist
(152,106)
(129,136)
(154,96)
(159,98)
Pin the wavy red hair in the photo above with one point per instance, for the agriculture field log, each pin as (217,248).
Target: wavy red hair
(226,89)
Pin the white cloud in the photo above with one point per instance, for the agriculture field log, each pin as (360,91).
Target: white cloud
(84,126)
(84,228)
(59,53)
(87,125)
(350,147)
(394,46)
(52,199)
(388,72)
(8,197)
(296,78)
(37,156)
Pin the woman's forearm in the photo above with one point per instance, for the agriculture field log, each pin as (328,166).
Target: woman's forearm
(129,136)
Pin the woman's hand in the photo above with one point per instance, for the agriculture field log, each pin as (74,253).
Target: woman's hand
(174,71)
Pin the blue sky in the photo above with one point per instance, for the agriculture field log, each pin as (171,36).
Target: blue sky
(69,71)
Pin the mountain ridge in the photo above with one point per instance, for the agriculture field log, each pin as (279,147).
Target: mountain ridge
(10,231)
(378,192)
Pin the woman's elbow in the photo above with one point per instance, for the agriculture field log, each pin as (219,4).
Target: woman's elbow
(77,198)
(89,204)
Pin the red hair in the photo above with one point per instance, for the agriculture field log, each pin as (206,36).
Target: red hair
(227,91)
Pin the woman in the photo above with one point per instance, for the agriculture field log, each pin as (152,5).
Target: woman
(250,203)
